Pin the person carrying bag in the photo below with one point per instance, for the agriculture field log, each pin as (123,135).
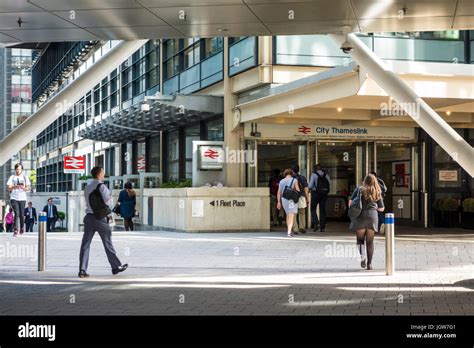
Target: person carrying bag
(288,196)
(365,204)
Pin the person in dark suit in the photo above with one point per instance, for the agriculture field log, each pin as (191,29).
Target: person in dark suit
(30,217)
(52,213)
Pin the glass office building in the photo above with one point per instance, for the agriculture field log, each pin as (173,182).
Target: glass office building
(15,107)
(247,70)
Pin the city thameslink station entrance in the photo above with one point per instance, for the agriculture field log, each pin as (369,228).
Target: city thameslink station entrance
(347,154)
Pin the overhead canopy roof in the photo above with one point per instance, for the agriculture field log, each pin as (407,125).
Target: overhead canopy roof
(76,20)
(165,113)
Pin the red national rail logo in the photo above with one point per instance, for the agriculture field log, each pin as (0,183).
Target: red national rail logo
(304,130)
(71,162)
(210,153)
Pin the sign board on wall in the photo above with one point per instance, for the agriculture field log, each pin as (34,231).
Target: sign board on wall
(301,131)
(211,157)
(74,164)
(141,164)
(197,208)
(448,175)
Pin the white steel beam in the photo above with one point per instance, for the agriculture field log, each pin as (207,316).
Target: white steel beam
(413,105)
(36,123)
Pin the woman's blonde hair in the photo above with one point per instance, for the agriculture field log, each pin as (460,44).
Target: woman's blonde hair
(371,189)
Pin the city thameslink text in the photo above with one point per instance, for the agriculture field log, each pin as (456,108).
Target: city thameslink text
(335,130)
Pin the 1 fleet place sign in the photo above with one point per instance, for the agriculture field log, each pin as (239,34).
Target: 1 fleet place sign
(74,164)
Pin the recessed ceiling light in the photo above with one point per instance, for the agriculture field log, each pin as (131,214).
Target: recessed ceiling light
(448,113)
(339,109)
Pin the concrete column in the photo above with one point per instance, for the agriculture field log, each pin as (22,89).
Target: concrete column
(231,124)
(37,122)
(411,103)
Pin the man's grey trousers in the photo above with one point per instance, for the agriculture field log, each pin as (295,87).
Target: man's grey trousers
(91,225)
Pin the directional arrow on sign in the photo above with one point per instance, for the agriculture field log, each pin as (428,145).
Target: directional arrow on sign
(212,203)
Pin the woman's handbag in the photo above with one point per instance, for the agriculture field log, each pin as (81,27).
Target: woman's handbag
(356,206)
(116,209)
(290,194)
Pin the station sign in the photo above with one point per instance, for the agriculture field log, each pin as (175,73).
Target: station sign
(141,164)
(211,157)
(74,164)
(314,132)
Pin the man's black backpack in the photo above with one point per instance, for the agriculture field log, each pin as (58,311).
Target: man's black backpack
(98,206)
(322,187)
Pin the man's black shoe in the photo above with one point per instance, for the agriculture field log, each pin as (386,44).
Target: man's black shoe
(83,274)
(120,269)
(316,228)
(323,229)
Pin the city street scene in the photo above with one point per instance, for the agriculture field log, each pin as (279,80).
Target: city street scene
(237,158)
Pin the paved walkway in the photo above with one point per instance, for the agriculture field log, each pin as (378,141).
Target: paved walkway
(241,273)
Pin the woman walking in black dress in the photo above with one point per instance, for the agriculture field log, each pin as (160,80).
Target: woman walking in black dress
(366,224)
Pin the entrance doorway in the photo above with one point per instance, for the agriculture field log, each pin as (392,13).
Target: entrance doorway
(279,155)
(341,161)
(347,163)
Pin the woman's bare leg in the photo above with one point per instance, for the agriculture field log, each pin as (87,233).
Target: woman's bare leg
(289,222)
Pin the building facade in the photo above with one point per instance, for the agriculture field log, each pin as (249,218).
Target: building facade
(290,99)
(15,107)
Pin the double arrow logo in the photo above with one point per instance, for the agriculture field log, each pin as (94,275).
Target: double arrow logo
(210,153)
(74,162)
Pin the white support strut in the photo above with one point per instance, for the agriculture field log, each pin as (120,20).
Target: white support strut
(432,123)
(48,113)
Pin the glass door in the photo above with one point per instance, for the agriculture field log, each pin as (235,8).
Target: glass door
(342,162)
(252,171)
(395,167)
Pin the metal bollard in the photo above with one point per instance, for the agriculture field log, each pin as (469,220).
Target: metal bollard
(390,243)
(42,220)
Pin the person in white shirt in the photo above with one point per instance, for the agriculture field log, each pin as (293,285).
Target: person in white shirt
(18,185)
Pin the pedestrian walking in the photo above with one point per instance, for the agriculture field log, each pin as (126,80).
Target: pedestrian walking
(383,192)
(9,220)
(52,215)
(288,196)
(364,205)
(299,224)
(98,210)
(320,185)
(31,217)
(127,200)
(18,184)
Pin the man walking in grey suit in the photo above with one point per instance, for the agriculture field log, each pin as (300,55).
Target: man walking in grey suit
(93,224)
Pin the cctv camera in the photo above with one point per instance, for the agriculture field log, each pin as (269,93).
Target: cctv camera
(346,47)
